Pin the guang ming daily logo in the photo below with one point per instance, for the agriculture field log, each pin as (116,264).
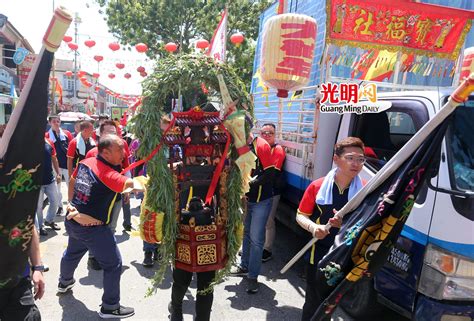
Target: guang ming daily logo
(351,98)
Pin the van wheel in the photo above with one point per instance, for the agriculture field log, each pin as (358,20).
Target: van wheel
(361,301)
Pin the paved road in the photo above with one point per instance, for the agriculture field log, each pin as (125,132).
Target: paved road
(280,298)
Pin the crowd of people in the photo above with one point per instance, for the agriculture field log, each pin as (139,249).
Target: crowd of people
(90,162)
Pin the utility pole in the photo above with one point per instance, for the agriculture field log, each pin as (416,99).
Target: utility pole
(77,21)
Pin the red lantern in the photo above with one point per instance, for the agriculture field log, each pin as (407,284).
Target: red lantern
(279,68)
(89,43)
(67,38)
(72,46)
(202,44)
(467,66)
(97,88)
(96,75)
(237,38)
(111,76)
(68,73)
(120,65)
(98,58)
(81,73)
(127,75)
(141,69)
(141,47)
(171,47)
(143,74)
(114,46)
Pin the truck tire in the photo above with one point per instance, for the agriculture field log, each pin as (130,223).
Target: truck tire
(361,301)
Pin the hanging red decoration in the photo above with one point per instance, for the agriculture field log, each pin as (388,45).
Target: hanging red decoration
(141,47)
(68,73)
(81,73)
(111,76)
(202,44)
(143,74)
(127,75)
(120,65)
(89,43)
(96,75)
(237,38)
(67,38)
(171,47)
(141,69)
(97,88)
(98,58)
(72,46)
(287,67)
(114,46)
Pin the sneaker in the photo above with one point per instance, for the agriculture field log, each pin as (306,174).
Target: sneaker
(252,286)
(120,313)
(64,288)
(266,256)
(93,264)
(60,211)
(127,227)
(238,271)
(43,232)
(52,225)
(148,260)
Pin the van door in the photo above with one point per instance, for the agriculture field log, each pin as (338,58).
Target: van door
(383,135)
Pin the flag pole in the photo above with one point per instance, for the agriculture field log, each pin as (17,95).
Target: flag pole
(459,95)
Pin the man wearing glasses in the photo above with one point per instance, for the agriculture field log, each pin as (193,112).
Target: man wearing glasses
(321,200)
(259,204)
(278,156)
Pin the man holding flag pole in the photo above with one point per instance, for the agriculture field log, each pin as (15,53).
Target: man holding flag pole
(20,182)
(379,211)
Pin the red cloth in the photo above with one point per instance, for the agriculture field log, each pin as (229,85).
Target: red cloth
(278,155)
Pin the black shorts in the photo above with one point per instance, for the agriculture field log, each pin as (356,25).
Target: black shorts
(18,303)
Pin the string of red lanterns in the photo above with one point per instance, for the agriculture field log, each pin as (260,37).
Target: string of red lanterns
(202,44)
(89,43)
(67,38)
(171,47)
(237,39)
(114,46)
(141,47)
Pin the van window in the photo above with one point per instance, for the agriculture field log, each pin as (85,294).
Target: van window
(460,142)
(387,132)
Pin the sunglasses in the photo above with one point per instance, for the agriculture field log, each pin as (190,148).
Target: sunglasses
(268,133)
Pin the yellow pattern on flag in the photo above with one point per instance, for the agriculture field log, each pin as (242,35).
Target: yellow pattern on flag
(382,67)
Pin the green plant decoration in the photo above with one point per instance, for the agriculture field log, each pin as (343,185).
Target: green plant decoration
(190,75)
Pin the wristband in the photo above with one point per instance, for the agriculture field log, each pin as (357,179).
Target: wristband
(38,268)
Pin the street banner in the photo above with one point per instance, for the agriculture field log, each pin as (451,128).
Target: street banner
(408,27)
(21,157)
(379,211)
(217,49)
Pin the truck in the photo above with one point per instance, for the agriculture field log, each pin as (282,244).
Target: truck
(429,274)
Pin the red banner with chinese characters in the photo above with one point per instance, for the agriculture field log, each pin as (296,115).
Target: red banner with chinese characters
(398,26)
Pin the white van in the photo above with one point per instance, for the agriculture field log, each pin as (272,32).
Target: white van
(429,274)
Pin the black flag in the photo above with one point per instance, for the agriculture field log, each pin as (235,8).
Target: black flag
(21,155)
(377,216)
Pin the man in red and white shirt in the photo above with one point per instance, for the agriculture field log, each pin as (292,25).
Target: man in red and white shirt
(80,145)
(93,188)
(321,201)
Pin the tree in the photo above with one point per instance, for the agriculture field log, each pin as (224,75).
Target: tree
(156,22)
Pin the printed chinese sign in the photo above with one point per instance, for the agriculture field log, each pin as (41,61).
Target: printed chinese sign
(350,98)
(398,26)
